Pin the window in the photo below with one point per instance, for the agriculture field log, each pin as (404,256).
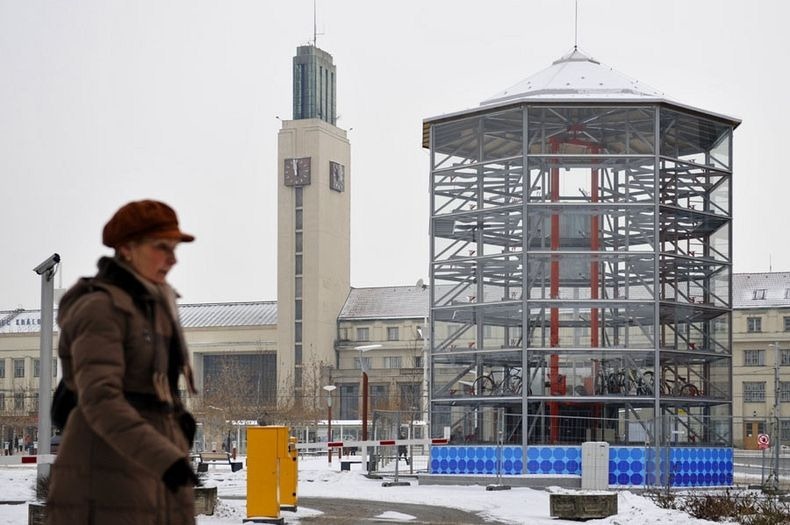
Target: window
(392,362)
(19,368)
(2,368)
(2,401)
(378,396)
(784,391)
(349,401)
(787,293)
(297,377)
(19,401)
(393,333)
(363,334)
(753,391)
(409,395)
(785,356)
(245,378)
(754,324)
(754,358)
(36,368)
(784,429)
(55,367)
(298,353)
(758,294)
(298,265)
(299,219)
(298,332)
(417,361)
(298,196)
(786,320)
(298,287)
(362,363)
(298,242)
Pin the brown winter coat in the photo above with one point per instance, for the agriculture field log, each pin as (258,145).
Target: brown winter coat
(114,450)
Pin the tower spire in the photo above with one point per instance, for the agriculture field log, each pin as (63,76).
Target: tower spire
(575,27)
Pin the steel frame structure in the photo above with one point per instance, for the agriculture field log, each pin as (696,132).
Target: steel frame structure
(579,251)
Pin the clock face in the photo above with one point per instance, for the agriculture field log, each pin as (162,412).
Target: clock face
(297,172)
(337,176)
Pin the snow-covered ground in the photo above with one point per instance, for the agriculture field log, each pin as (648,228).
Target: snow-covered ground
(319,479)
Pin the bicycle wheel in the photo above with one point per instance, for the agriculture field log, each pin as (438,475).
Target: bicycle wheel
(600,384)
(483,386)
(689,390)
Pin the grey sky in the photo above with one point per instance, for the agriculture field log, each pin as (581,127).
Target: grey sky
(106,101)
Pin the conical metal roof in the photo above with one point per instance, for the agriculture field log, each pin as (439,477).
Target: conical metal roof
(574,78)
(577,76)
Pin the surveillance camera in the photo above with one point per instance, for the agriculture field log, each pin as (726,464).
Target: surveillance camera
(48,264)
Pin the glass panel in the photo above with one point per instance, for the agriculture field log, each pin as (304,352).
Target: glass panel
(475,139)
(467,188)
(580,324)
(691,137)
(694,187)
(591,179)
(591,374)
(720,152)
(598,130)
(619,229)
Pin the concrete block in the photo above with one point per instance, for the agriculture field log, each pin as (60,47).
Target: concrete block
(205,500)
(36,514)
(582,506)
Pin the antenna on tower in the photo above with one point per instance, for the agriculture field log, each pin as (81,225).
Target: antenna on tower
(315,26)
(576,28)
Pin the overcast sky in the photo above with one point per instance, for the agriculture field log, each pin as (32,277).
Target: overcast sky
(106,101)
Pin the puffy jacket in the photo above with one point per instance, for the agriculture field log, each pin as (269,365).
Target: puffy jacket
(115,449)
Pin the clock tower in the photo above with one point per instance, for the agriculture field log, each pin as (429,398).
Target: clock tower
(313,217)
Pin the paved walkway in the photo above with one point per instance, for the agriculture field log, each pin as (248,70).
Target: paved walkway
(351,511)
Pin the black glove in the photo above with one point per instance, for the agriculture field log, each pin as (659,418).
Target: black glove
(180,474)
(188,426)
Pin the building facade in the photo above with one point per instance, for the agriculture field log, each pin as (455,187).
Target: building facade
(761,357)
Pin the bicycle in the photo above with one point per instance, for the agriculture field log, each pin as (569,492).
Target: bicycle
(487,385)
(677,387)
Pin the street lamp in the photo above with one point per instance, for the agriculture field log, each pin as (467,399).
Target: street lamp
(361,350)
(329,389)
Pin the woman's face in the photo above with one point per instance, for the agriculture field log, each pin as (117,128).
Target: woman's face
(151,258)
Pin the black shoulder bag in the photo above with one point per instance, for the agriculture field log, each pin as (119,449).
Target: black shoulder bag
(63,402)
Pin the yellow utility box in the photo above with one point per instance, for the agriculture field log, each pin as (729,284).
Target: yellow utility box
(289,476)
(267,450)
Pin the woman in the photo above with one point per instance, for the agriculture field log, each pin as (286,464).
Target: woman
(123,458)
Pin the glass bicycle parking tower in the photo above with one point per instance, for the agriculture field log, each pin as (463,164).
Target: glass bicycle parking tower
(581,265)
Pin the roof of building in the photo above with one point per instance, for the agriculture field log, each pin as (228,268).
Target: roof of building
(212,315)
(386,302)
(205,315)
(760,290)
(577,77)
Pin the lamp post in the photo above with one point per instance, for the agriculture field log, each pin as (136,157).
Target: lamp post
(329,389)
(361,350)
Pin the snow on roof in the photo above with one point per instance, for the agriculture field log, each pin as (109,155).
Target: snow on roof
(209,315)
(254,313)
(579,76)
(390,302)
(760,290)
